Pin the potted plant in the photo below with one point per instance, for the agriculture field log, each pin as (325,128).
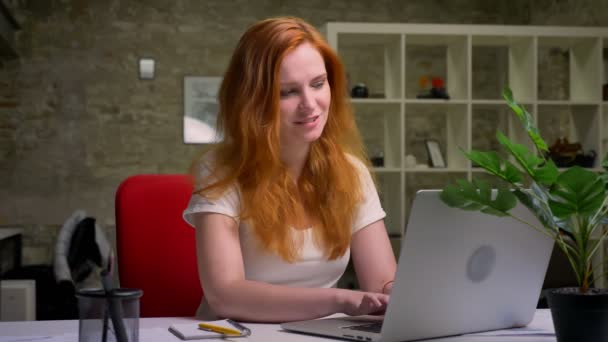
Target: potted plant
(571,206)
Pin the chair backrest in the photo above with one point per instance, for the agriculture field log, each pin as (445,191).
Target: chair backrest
(156,249)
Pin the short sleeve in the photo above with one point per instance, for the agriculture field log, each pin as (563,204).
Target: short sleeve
(369,210)
(227,203)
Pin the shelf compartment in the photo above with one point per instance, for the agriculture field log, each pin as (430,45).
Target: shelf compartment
(446,123)
(502,60)
(379,124)
(577,123)
(391,200)
(568,68)
(374,60)
(487,119)
(444,56)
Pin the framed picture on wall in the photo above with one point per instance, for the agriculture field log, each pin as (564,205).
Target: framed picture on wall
(434,152)
(201,109)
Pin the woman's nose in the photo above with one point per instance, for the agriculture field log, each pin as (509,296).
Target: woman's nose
(307,101)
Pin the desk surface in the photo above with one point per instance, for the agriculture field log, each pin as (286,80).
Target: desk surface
(155,329)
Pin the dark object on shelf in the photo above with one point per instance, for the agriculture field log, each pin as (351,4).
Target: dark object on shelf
(605,92)
(359,91)
(586,159)
(439,93)
(378,160)
(437,90)
(566,154)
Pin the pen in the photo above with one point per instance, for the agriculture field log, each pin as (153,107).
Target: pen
(114,304)
(244,330)
(218,329)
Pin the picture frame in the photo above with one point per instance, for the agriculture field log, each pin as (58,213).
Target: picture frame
(201,109)
(434,154)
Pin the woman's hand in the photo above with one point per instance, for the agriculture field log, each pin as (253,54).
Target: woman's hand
(355,303)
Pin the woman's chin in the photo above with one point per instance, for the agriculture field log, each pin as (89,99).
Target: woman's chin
(310,138)
(303,138)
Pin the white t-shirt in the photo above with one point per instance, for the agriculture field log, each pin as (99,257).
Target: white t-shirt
(312,269)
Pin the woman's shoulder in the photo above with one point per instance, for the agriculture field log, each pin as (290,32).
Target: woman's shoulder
(207,169)
(359,165)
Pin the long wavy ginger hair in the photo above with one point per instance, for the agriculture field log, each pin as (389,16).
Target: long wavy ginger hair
(328,190)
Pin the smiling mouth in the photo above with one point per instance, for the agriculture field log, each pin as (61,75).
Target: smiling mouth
(308,120)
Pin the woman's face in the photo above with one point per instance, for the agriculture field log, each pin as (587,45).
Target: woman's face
(305,96)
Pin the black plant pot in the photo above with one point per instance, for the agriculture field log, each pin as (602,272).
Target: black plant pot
(579,317)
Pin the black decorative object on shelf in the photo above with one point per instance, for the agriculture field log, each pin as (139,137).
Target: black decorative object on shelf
(437,90)
(359,91)
(566,154)
(377,160)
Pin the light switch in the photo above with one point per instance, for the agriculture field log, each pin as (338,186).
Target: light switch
(146,68)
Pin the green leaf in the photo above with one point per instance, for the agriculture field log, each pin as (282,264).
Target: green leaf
(543,172)
(604,175)
(576,192)
(491,162)
(477,195)
(525,158)
(547,173)
(536,200)
(526,119)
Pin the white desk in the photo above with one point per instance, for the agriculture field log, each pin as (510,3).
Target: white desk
(155,329)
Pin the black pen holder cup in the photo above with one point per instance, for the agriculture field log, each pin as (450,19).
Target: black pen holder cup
(108,317)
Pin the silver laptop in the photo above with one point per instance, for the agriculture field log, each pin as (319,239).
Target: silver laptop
(459,272)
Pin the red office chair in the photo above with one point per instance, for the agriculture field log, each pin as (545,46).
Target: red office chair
(155,247)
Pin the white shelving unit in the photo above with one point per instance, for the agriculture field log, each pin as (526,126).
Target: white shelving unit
(556,72)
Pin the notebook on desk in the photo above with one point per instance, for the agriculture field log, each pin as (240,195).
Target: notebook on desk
(458,272)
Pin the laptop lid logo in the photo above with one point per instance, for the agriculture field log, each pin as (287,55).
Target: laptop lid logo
(481,263)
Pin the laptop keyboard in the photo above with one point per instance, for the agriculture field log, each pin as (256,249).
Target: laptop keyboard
(372,327)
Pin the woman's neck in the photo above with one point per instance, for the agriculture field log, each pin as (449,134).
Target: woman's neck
(294,158)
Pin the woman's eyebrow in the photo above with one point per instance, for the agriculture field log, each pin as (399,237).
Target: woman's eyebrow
(320,77)
(314,79)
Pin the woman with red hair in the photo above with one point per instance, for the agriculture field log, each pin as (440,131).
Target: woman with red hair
(286,198)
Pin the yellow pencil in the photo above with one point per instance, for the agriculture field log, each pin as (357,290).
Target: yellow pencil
(218,329)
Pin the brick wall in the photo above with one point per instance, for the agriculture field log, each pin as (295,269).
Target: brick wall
(75,119)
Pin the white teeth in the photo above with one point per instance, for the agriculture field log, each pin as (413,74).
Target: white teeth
(308,120)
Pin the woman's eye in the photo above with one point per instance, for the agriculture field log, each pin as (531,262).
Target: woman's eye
(318,85)
(289,92)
